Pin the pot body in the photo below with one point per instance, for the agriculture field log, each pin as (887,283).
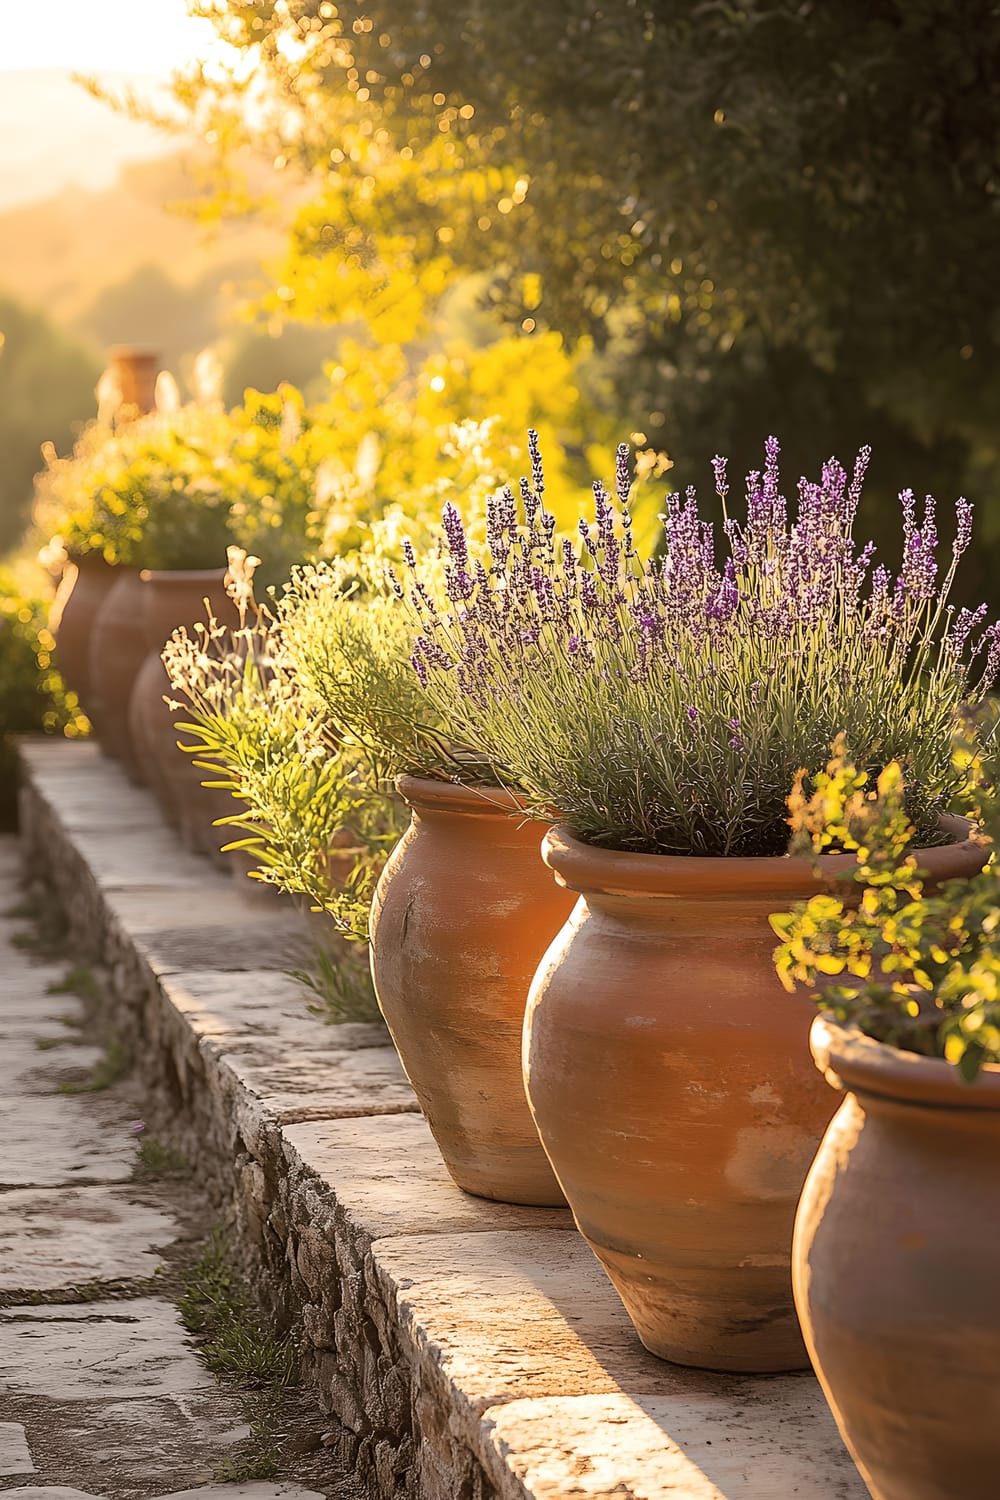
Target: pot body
(168,600)
(895,1268)
(81,592)
(669,1077)
(462,914)
(117,651)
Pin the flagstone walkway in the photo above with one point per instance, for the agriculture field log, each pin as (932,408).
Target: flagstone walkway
(102,1394)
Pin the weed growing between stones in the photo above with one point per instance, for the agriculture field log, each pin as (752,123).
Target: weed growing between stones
(156,1159)
(47,935)
(80,981)
(21,911)
(108,1070)
(236,1345)
(235,1342)
(342,987)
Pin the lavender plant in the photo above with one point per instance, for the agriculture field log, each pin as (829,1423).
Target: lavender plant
(664,703)
(305,803)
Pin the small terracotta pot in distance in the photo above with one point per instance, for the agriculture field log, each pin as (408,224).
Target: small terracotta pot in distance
(895,1265)
(462,914)
(670,1080)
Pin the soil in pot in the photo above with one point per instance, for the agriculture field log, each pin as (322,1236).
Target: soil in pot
(895,1266)
(669,1076)
(463,912)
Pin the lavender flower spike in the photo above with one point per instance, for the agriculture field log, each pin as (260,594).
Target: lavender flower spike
(623,479)
(454,531)
(719,466)
(537,471)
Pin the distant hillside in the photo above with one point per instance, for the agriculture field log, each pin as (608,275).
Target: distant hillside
(63,253)
(63,137)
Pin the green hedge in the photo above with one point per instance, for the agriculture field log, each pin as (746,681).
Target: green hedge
(32,697)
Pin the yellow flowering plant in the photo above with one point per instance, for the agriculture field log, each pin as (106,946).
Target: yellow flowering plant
(916,968)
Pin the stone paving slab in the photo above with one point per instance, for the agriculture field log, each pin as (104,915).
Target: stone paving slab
(252,1491)
(390,1181)
(49,1492)
(468,1349)
(506,1315)
(15,1456)
(694,1445)
(137,1444)
(71,1236)
(56,1139)
(80,1351)
(257,1004)
(316,1084)
(29,1002)
(33,1070)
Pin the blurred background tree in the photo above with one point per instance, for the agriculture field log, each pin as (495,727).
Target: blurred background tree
(766,215)
(46,392)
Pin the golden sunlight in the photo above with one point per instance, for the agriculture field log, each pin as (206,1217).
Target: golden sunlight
(127,36)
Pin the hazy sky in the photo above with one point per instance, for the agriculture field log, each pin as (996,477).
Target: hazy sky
(135,36)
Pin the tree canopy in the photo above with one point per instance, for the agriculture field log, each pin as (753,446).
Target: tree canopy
(766,214)
(46,390)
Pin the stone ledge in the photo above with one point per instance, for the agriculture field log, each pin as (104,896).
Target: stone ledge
(471,1350)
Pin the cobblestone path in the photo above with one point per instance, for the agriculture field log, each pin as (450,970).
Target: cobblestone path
(102,1394)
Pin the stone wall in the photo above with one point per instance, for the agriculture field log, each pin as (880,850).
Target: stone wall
(471,1350)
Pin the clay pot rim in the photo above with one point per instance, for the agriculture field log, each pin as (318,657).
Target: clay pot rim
(617,872)
(852,1061)
(92,557)
(426,794)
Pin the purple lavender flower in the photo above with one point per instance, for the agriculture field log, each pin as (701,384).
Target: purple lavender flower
(719,466)
(968,620)
(537,471)
(963,531)
(623,479)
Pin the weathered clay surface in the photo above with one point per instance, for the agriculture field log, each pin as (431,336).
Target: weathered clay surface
(69,1237)
(462,913)
(458,1341)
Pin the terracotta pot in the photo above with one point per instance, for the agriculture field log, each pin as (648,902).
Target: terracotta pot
(82,590)
(168,600)
(895,1268)
(669,1077)
(117,651)
(462,914)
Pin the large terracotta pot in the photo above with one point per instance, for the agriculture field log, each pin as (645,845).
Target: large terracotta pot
(895,1265)
(462,914)
(170,599)
(82,590)
(669,1077)
(117,651)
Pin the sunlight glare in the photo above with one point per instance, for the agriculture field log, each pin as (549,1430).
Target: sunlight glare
(131,36)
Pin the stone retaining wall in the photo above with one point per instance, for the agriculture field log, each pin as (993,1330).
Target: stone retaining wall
(469,1349)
